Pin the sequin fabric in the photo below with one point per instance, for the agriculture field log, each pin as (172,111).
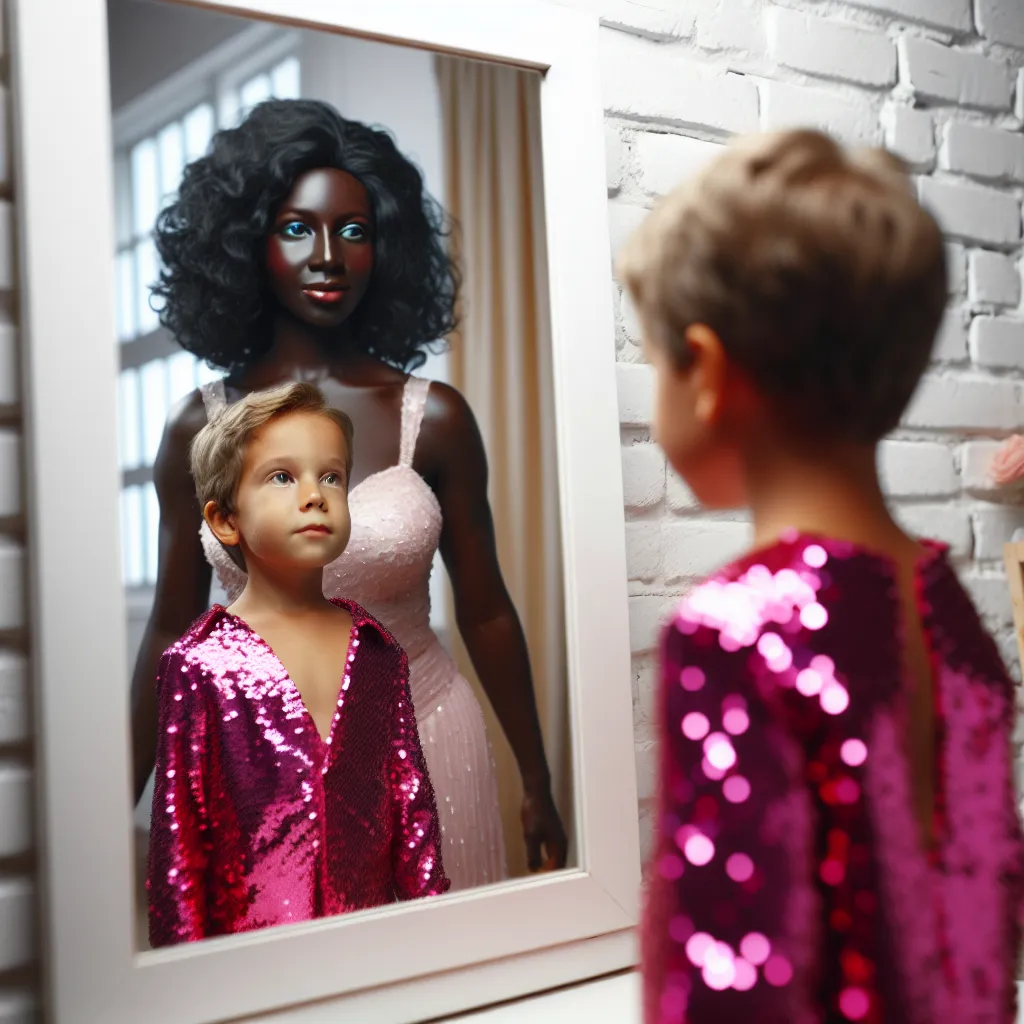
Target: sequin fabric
(257,820)
(396,529)
(789,882)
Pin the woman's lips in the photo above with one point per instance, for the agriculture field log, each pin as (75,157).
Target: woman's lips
(328,296)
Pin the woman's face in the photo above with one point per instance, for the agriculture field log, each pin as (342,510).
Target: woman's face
(319,254)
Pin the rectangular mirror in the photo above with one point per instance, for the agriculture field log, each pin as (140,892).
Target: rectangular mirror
(405,209)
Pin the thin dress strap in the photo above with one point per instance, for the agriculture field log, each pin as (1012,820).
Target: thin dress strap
(414,401)
(215,398)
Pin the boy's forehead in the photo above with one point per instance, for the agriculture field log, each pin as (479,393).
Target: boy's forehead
(296,433)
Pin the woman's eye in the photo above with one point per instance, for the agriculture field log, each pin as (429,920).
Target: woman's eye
(295,229)
(281,478)
(353,233)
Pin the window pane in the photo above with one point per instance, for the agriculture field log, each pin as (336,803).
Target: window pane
(181,376)
(152,517)
(171,145)
(198,131)
(125,286)
(256,90)
(132,553)
(229,109)
(285,81)
(146,273)
(129,425)
(145,186)
(153,378)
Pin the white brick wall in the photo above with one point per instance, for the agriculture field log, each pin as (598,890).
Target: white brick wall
(941,82)
(17,894)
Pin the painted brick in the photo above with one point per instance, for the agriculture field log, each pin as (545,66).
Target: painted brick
(8,365)
(992,279)
(15,810)
(614,157)
(1002,21)
(993,527)
(694,549)
(916,469)
(982,152)
(910,134)
(652,19)
(623,220)
(643,476)
(640,82)
(646,615)
(680,497)
(643,551)
(12,584)
(630,319)
(975,460)
(968,403)
(636,394)
(646,770)
(998,342)
(10,472)
(14,725)
(853,121)
(973,213)
(991,598)
(734,25)
(951,14)
(667,160)
(939,72)
(830,49)
(945,523)
(956,268)
(951,341)
(17,923)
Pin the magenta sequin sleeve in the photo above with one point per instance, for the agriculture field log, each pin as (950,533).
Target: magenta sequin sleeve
(416,855)
(729,876)
(177,848)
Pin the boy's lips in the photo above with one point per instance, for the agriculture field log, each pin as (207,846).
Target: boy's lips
(315,528)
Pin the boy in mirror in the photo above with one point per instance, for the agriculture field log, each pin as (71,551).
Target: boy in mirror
(290,782)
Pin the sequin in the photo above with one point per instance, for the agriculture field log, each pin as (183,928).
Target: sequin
(243,842)
(396,528)
(786,791)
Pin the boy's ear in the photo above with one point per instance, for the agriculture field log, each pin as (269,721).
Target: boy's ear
(222,524)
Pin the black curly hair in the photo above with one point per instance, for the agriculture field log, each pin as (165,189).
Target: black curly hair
(211,238)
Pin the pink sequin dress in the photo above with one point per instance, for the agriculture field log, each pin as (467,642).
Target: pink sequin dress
(396,528)
(257,820)
(789,884)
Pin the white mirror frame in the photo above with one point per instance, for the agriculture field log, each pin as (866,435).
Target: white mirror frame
(402,963)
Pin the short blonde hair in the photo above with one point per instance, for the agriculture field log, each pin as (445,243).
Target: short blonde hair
(818,269)
(217,451)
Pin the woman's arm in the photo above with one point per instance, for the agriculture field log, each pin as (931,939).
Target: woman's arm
(484,612)
(183,577)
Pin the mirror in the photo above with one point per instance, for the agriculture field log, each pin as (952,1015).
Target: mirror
(454,498)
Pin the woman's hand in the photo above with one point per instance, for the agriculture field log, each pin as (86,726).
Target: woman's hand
(546,848)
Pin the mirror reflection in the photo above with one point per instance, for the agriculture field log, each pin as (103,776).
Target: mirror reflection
(340,497)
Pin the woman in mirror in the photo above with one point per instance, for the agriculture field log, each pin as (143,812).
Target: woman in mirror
(304,247)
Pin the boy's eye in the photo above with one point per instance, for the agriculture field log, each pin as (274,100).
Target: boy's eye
(333,479)
(281,478)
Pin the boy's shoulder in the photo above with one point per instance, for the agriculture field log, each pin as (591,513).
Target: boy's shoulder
(361,619)
(203,640)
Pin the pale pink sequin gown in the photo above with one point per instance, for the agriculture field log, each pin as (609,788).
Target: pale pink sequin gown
(396,528)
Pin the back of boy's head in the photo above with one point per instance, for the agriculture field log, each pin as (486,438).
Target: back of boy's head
(818,269)
(218,450)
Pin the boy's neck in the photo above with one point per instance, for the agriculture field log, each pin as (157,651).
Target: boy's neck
(833,492)
(281,594)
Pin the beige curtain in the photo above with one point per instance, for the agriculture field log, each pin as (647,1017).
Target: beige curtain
(501,362)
